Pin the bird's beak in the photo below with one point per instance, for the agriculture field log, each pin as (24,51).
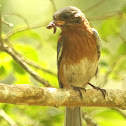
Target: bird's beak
(54,24)
(59,23)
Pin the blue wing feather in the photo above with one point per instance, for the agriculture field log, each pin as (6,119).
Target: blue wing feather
(59,58)
(98,40)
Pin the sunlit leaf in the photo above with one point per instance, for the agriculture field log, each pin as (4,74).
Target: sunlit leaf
(17,68)
(124,9)
(26,34)
(122,49)
(105,51)
(110,26)
(2,70)
(103,63)
(27,51)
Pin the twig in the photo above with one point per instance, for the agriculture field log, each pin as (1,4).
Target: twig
(38,67)
(7,118)
(24,65)
(94,6)
(106,16)
(31,63)
(87,118)
(29,95)
(114,64)
(35,65)
(12,33)
(53,4)
(7,23)
(18,15)
(121,37)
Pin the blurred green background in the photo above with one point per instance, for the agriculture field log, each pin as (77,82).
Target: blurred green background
(108,17)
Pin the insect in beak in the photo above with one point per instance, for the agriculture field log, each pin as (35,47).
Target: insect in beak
(52,25)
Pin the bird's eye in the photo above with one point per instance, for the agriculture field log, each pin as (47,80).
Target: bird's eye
(66,16)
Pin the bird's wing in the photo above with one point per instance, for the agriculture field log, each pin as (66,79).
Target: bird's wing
(59,52)
(59,57)
(98,40)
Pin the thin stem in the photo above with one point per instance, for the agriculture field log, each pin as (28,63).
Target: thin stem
(12,33)
(16,56)
(94,6)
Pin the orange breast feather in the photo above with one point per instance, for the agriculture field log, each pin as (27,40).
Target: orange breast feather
(79,58)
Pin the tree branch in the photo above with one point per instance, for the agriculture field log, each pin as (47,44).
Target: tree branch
(53,4)
(32,63)
(88,119)
(7,118)
(12,33)
(30,95)
(19,16)
(106,16)
(35,65)
(7,23)
(24,65)
(94,6)
(113,65)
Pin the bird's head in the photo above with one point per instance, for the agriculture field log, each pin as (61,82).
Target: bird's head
(66,17)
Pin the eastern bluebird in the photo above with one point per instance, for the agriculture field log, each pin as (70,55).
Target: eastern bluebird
(78,53)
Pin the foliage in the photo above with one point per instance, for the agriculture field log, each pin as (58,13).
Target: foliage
(39,45)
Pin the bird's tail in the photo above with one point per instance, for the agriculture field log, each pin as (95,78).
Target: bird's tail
(73,117)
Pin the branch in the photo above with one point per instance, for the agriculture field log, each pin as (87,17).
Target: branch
(106,16)
(88,119)
(33,64)
(94,6)
(24,65)
(30,95)
(113,65)
(12,33)
(53,4)
(18,15)
(7,23)
(7,118)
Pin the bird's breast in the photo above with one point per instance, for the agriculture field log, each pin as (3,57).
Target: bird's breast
(79,59)
(78,74)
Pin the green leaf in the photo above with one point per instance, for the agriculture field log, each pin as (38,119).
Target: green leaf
(124,9)
(17,68)
(2,70)
(103,63)
(110,27)
(122,49)
(5,65)
(26,34)
(27,51)
(110,118)
(105,51)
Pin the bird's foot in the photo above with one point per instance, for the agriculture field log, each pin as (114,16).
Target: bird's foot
(79,90)
(103,91)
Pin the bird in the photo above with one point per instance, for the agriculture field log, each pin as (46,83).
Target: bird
(78,53)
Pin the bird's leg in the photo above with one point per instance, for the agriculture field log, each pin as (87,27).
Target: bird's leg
(79,90)
(103,91)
